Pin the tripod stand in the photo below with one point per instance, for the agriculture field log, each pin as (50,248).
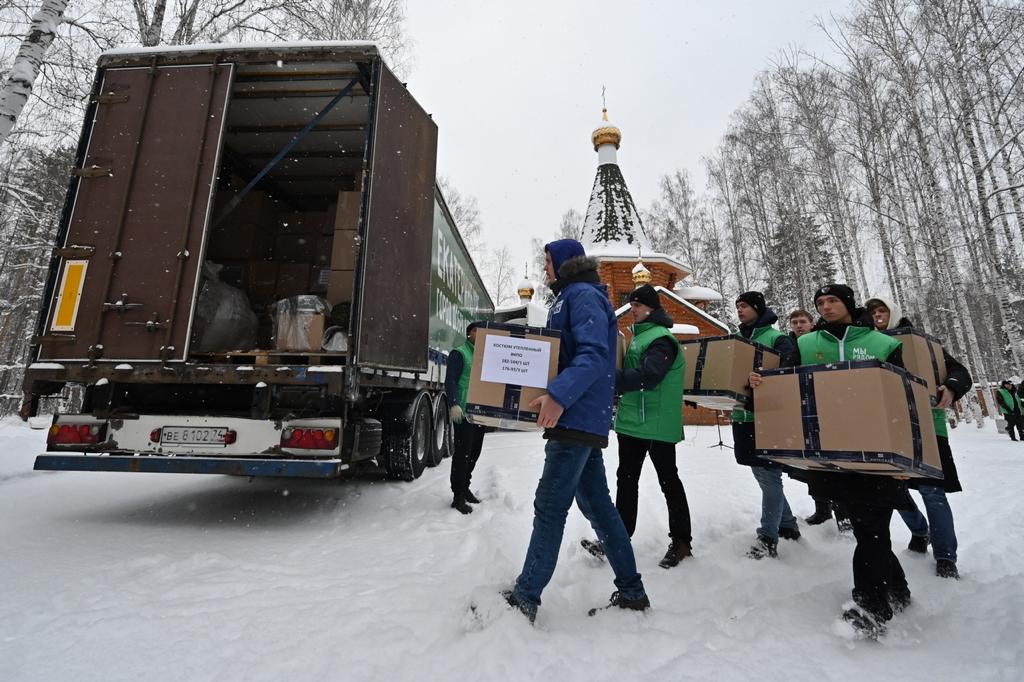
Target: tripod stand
(720,444)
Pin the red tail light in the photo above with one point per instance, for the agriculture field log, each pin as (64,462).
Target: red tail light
(310,439)
(154,436)
(76,434)
(230,437)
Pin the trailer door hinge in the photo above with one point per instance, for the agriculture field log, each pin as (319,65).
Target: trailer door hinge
(75,251)
(110,98)
(92,171)
(151,325)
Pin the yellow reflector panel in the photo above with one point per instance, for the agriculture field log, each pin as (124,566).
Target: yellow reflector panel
(70,295)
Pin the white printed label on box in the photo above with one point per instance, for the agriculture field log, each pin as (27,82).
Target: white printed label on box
(522,362)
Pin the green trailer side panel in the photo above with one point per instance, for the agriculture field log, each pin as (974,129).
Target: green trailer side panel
(457,293)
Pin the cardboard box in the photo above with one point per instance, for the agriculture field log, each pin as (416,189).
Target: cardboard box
(293,279)
(512,366)
(346,212)
(863,416)
(300,332)
(339,286)
(239,241)
(718,370)
(309,223)
(295,248)
(343,250)
(922,356)
(262,278)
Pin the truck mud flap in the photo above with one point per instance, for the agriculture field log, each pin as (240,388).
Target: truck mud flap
(293,468)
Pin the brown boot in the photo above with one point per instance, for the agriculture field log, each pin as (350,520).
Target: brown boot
(677,551)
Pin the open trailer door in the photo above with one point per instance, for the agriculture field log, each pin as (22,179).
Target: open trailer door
(392,304)
(129,266)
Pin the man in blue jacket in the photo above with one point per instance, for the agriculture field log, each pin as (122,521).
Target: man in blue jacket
(576,414)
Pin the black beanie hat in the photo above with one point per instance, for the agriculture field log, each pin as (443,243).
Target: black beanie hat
(755,299)
(473,325)
(647,295)
(840,291)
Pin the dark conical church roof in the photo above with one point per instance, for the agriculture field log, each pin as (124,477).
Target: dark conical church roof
(612,220)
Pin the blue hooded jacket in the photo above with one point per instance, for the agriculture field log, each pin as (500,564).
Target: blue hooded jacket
(585,384)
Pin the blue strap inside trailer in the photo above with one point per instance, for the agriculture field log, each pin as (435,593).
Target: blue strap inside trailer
(293,468)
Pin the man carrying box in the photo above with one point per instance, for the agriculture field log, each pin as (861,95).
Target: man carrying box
(940,516)
(757,324)
(469,438)
(846,332)
(576,414)
(1011,407)
(650,421)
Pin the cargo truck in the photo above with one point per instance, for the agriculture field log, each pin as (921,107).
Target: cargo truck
(255,272)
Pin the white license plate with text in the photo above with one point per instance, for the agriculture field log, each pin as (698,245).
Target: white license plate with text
(192,435)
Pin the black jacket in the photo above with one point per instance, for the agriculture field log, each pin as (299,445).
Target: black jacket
(453,373)
(654,363)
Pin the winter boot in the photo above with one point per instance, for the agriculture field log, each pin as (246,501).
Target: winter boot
(946,568)
(865,623)
(918,544)
(677,551)
(593,546)
(460,504)
(899,599)
(764,547)
(822,513)
(789,533)
(471,498)
(527,610)
(617,600)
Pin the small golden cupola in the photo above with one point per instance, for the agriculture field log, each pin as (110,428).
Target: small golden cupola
(641,275)
(526,291)
(605,133)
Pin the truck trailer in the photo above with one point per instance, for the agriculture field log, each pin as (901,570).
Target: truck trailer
(255,271)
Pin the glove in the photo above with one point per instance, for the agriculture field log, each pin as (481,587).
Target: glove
(456,414)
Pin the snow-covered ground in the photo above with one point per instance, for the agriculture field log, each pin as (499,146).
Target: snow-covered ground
(171,577)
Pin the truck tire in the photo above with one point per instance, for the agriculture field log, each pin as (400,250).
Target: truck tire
(442,435)
(408,440)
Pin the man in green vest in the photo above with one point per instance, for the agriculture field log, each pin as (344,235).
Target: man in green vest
(757,322)
(649,420)
(469,439)
(1012,408)
(847,333)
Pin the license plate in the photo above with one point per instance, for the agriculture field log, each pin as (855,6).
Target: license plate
(192,435)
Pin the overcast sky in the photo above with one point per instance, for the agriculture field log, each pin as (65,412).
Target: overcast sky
(515,88)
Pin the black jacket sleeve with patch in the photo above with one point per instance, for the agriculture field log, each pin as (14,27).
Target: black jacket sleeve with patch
(958,379)
(786,347)
(654,365)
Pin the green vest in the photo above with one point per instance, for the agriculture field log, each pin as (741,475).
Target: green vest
(1010,399)
(765,336)
(656,413)
(860,343)
(466,351)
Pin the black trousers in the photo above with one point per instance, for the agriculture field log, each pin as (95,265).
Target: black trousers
(1014,422)
(876,570)
(469,440)
(632,452)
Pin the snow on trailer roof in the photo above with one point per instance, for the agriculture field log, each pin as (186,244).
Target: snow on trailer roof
(283,48)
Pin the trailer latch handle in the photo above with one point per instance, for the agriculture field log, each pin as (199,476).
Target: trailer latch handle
(121,305)
(150,325)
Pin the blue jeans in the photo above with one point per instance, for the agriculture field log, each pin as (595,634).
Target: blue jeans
(940,516)
(775,509)
(574,471)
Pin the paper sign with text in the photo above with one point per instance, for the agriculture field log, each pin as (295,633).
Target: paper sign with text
(522,362)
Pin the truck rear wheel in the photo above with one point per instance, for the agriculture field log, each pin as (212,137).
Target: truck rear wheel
(442,440)
(408,440)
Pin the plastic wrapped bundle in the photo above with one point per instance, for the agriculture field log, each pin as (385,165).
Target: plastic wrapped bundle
(224,318)
(299,322)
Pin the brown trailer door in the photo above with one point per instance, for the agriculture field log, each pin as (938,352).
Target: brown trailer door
(393,298)
(129,267)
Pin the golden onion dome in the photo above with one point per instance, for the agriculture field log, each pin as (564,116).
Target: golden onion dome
(606,133)
(641,275)
(526,289)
